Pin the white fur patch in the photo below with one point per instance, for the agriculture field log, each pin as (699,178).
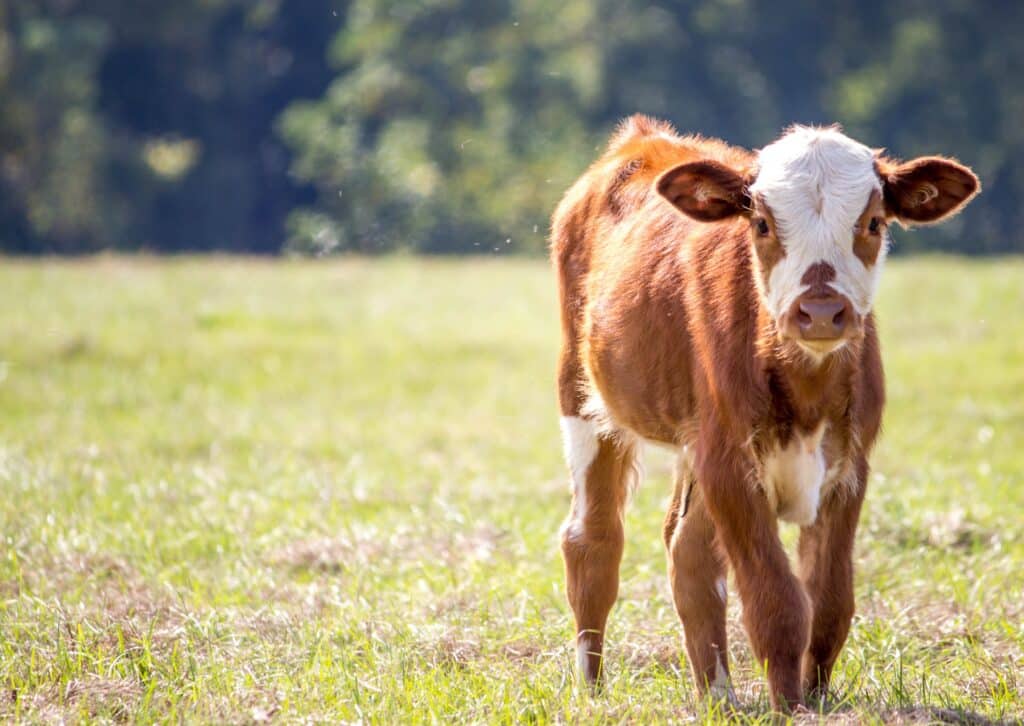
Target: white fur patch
(582,660)
(721,688)
(579,443)
(595,412)
(793,477)
(817,182)
(684,462)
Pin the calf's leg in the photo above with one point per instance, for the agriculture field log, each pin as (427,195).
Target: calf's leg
(602,468)
(696,572)
(826,567)
(776,611)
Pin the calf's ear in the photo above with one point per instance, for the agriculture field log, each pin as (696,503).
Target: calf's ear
(705,190)
(926,190)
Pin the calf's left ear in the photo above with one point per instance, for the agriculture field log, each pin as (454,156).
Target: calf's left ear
(926,190)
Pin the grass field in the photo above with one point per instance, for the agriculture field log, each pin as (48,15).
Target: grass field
(240,491)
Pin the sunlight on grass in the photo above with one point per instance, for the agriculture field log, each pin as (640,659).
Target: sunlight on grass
(241,491)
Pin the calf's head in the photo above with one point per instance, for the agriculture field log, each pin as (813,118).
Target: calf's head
(818,205)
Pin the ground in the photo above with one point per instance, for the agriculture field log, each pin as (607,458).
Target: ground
(239,491)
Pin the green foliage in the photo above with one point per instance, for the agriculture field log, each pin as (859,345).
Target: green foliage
(453,128)
(149,125)
(454,125)
(330,493)
(53,143)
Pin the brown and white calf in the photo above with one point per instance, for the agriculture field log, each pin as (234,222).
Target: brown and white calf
(718,301)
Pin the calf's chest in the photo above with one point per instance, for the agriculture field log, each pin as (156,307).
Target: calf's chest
(796,475)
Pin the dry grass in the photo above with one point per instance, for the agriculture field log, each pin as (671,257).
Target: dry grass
(253,492)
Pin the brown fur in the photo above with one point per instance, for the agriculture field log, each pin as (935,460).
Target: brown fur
(663,320)
(696,566)
(767,247)
(866,245)
(660,314)
(925,190)
(592,565)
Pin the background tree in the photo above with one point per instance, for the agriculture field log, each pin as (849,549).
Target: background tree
(145,124)
(454,125)
(53,144)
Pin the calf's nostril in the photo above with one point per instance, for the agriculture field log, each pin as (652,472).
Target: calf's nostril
(839,318)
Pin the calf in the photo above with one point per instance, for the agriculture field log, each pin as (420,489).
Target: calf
(718,301)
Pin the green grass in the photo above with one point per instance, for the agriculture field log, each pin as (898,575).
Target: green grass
(235,491)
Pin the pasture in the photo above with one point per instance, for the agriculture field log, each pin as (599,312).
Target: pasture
(247,491)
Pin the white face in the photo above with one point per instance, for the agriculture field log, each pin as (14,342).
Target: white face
(817,182)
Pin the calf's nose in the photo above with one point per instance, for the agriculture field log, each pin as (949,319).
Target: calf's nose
(823,319)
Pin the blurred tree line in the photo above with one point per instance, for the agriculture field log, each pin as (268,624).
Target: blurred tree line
(454,125)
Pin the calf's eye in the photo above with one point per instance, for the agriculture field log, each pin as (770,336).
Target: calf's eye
(874,225)
(762,227)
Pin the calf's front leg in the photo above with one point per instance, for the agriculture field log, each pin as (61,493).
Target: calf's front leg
(826,567)
(776,611)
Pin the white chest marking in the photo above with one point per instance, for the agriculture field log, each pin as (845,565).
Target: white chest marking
(793,477)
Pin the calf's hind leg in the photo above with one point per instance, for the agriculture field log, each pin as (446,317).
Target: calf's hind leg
(697,572)
(592,536)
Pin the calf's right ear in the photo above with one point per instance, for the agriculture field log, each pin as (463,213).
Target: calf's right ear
(705,190)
